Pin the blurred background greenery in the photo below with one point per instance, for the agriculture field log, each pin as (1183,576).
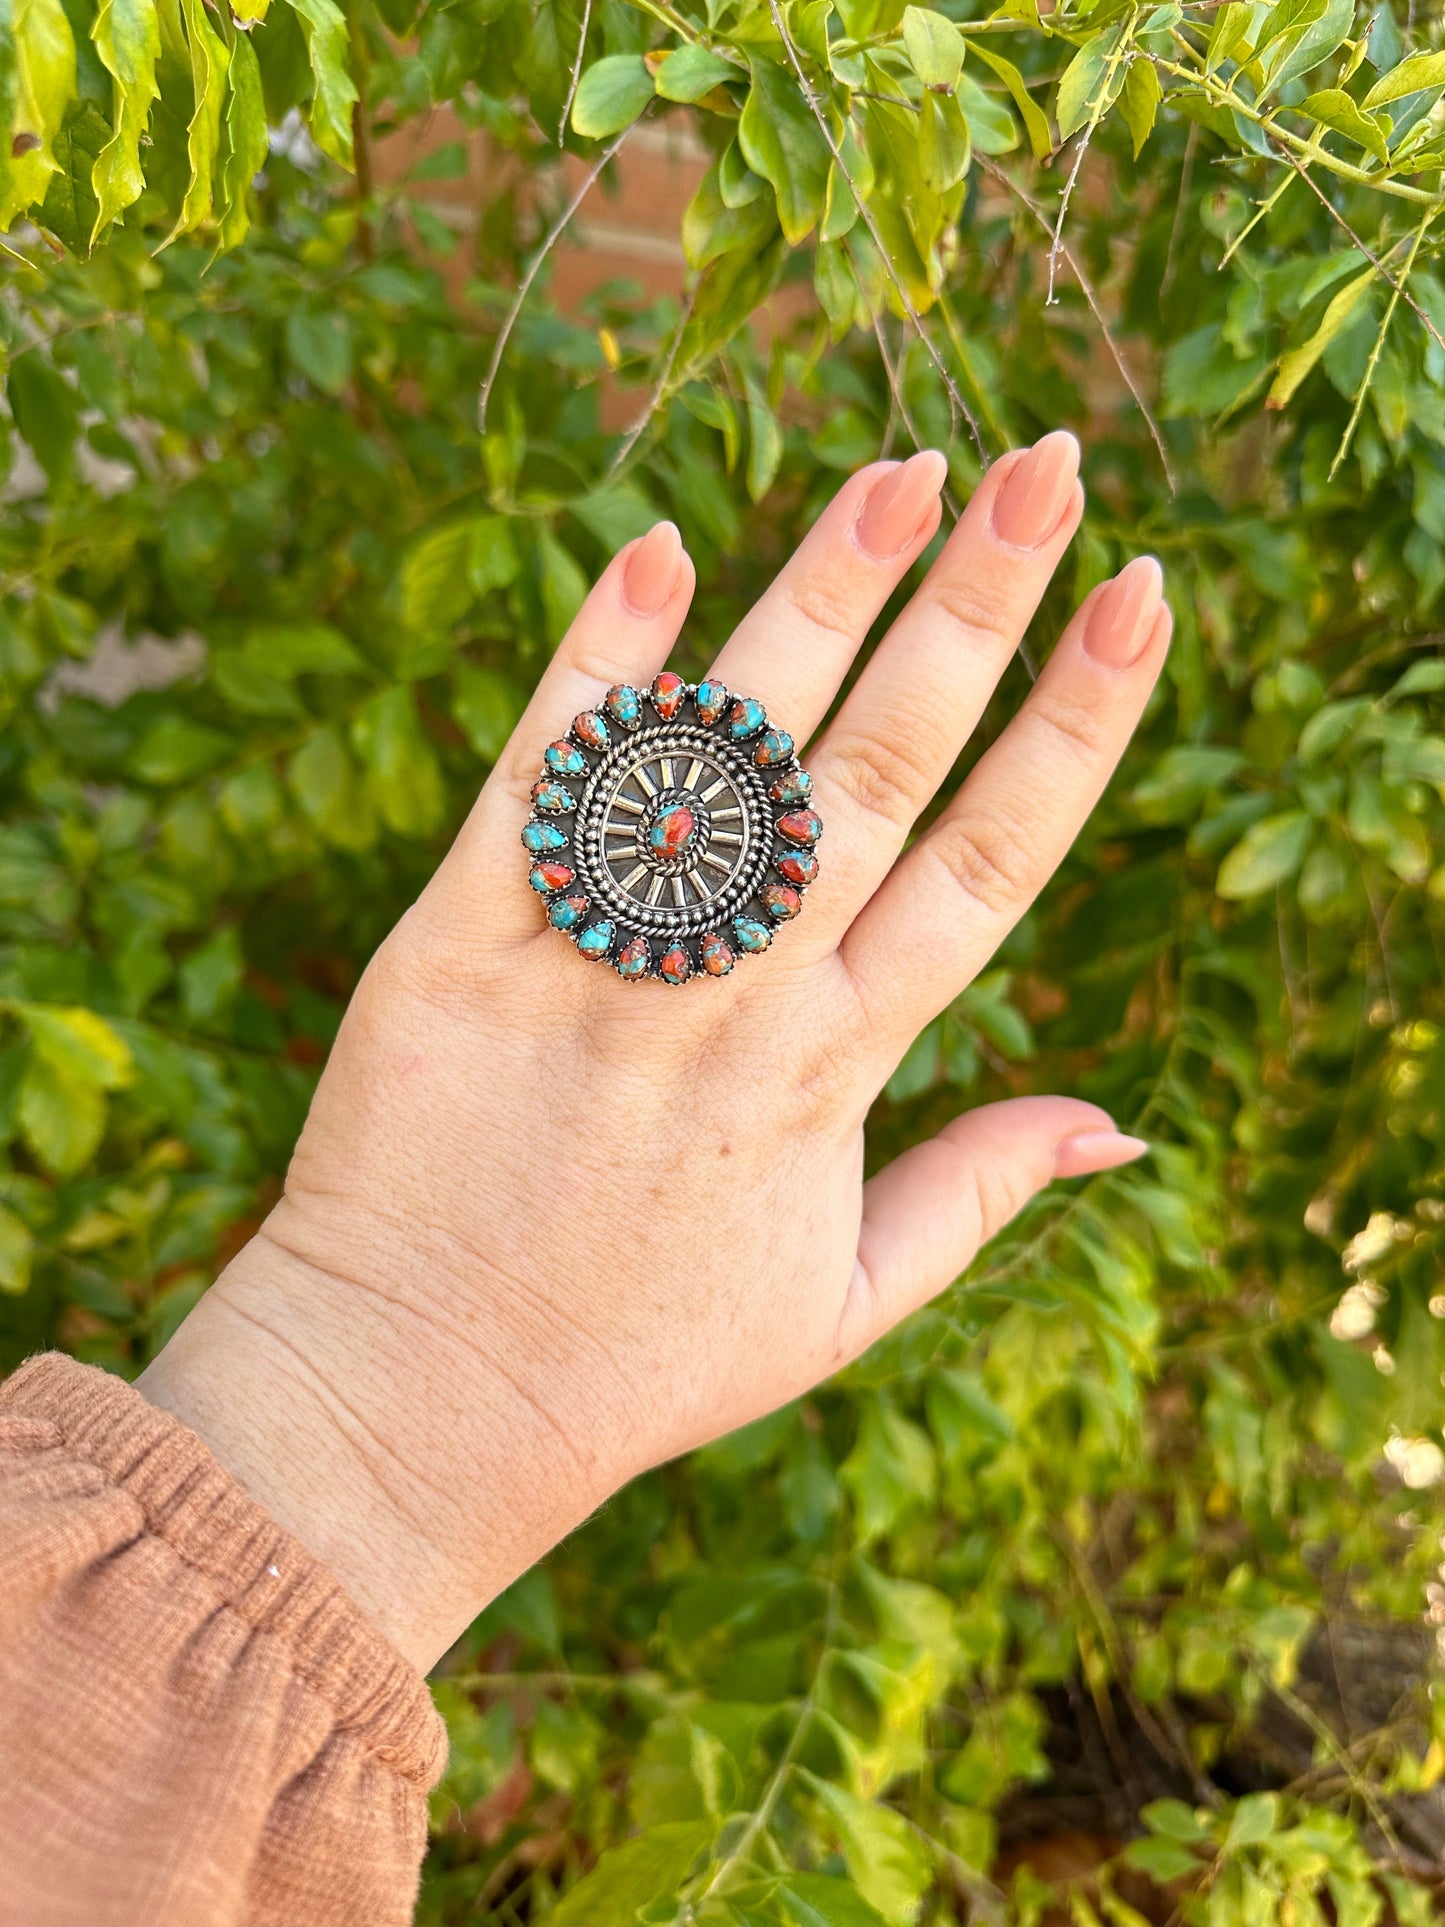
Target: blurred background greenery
(1107,1589)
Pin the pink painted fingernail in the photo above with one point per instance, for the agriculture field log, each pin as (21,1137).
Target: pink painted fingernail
(650,573)
(897,505)
(1027,509)
(1122,619)
(1088,1151)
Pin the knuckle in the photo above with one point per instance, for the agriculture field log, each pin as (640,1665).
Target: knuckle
(1070,726)
(985,858)
(884,775)
(979,611)
(826,604)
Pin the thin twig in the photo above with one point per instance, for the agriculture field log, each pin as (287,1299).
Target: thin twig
(1401,288)
(1056,242)
(955,399)
(575,81)
(1000,174)
(553,236)
(659,393)
(1186,176)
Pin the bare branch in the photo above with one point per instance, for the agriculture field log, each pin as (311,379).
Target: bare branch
(574,82)
(659,393)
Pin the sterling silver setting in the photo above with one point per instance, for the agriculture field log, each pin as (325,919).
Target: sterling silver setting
(672,831)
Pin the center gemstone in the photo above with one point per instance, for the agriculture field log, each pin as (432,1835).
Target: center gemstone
(672,830)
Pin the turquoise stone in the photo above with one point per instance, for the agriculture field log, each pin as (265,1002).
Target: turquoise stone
(590,729)
(752,936)
(674,966)
(552,798)
(547,877)
(800,826)
(717,956)
(565,913)
(798,866)
(542,837)
(776,747)
(563,759)
(794,786)
(623,704)
(672,830)
(634,959)
(781,903)
(712,700)
(667,693)
(596,939)
(746,719)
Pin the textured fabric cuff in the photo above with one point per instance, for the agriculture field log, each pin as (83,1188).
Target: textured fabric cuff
(264,1574)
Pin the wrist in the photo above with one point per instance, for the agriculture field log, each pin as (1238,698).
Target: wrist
(404,1449)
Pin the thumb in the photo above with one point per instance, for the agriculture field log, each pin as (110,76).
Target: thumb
(927,1213)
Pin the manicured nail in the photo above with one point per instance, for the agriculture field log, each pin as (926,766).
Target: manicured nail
(1122,618)
(897,505)
(1027,508)
(1088,1151)
(650,574)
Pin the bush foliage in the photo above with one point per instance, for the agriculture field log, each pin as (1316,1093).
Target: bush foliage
(1134,1532)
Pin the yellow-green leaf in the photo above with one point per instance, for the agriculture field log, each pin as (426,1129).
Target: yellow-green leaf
(1412,76)
(1139,102)
(210,63)
(1230,38)
(1296,363)
(781,141)
(127,38)
(17,1248)
(245,145)
(324,25)
(612,93)
(1035,120)
(1332,107)
(41,56)
(1265,855)
(934,46)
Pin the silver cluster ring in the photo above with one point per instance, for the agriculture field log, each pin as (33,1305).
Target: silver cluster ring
(672,830)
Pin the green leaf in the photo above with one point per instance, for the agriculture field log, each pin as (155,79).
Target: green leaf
(1035,120)
(312,648)
(174,749)
(325,783)
(1163,1860)
(210,65)
(563,584)
(886,1860)
(319,344)
(1230,36)
(1267,853)
(610,95)
(689,72)
(819,1900)
(127,38)
(765,443)
(70,208)
(1177,786)
(43,82)
(1296,363)
(1305,48)
(934,46)
(46,412)
(17,1249)
(632,1876)
(1255,1819)
(890,1470)
(944,146)
(403,775)
(1413,76)
(1175,1820)
(990,125)
(334,93)
(78,1044)
(210,977)
(1334,108)
(62,1120)
(245,144)
(1139,102)
(1079,87)
(711,229)
(781,141)
(487,707)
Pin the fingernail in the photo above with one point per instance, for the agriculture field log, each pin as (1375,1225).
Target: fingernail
(1027,508)
(650,574)
(897,505)
(1122,619)
(1087,1151)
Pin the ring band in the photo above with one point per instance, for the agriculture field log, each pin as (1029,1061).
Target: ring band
(672,832)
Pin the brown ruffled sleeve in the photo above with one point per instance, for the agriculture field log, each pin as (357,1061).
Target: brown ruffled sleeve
(197,1726)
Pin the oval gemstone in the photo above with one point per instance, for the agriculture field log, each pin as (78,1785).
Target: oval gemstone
(672,830)
(776,747)
(800,826)
(667,693)
(552,798)
(551,876)
(781,903)
(596,939)
(712,700)
(794,786)
(541,837)
(747,717)
(674,966)
(717,956)
(564,759)
(623,704)
(565,913)
(590,729)
(752,936)
(798,866)
(634,958)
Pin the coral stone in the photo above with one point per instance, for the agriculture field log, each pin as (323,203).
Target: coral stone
(551,876)
(712,700)
(776,747)
(717,956)
(565,913)
(672,830)
(623,704)
(674,966)
(564,759)
(552,798)
(794,786)
(751,935)
(590,729)
(667,693)
(596,939)
(798,866)
(780,902)
(634,958)
(800,826)
(746,718)
(541,837)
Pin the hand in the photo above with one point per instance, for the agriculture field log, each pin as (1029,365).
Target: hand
(543,1229)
